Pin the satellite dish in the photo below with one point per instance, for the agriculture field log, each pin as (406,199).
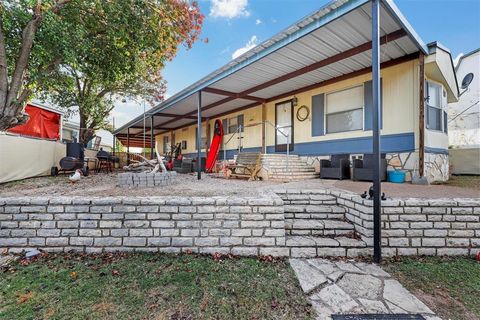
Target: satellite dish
(467,80)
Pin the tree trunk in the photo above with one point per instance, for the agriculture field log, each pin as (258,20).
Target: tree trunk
(86,131)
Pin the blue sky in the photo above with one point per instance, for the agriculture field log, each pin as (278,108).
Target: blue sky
(232,26)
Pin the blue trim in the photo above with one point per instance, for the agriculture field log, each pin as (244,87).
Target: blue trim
(436,150)
(403,142)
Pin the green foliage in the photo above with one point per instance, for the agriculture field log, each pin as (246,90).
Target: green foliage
(152,286)
(89,52)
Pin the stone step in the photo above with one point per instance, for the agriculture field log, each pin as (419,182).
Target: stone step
(324,242)
(312,208)
(290,170)
(318,227)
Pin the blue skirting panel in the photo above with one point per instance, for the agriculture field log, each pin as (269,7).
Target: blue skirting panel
(436,150)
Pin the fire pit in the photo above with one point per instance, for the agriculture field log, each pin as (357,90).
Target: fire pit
(144,179)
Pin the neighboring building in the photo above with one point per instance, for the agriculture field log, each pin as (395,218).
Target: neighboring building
(70,131)
(464,119)
(313,81)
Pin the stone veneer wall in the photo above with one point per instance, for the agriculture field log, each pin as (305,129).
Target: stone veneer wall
(241,226)
(418,226)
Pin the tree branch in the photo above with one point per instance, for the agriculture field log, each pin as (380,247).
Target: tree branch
(28,36)
(3,69)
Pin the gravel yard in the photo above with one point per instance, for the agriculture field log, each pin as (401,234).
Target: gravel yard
(187,185)
(106,185)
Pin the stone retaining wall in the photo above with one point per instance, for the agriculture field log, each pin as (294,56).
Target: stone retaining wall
(241,226)
(418,226)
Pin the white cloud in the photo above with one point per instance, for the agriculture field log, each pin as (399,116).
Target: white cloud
(229,8)
(249,45)
(258,21)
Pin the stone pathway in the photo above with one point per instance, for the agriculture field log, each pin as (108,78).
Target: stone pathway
(338,287)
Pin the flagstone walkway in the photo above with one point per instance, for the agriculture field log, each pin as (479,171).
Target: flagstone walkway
(338,287)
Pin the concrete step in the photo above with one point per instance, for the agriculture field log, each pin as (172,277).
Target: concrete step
(290,170)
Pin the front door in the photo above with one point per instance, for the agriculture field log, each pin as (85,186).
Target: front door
(284,124)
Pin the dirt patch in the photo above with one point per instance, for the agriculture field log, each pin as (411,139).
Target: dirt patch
(106,185)
(444,305)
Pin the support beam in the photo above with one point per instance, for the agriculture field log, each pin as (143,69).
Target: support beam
(199,136)
(128,146)
(151,137)
(232,94)
(421,118)
(264,128)
(377,206)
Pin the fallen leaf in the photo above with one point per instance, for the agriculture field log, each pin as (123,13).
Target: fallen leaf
(115,272)
(73,275)
(25,297)
(274,304)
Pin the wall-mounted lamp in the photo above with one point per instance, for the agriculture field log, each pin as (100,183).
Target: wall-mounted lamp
(294,101)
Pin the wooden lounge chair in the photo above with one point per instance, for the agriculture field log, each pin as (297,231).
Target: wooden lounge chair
(246,166)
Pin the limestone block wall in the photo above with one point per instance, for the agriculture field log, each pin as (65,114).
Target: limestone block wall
(241,226)
(418,226)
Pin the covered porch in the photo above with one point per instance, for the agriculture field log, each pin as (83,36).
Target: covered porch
(329,46)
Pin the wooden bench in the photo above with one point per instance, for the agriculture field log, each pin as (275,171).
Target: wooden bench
(245,166)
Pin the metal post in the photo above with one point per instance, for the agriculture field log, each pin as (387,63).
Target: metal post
(113,130)
(151,137)
(199,136)
(128,146)
(377,254)
(288,149)
(144,128)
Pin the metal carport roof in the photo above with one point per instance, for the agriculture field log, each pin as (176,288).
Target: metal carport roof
(329,45)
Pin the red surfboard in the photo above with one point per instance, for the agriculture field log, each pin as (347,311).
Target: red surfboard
(214,146)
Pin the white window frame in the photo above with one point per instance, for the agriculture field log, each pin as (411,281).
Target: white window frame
(441,107)
(326,109)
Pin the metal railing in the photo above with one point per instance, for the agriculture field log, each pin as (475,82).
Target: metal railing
(286,135)
(239,131)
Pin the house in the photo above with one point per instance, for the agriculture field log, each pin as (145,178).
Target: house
(311,85)
(464,118)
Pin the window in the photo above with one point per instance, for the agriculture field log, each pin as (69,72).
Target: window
(344,110)
(230,125)
(435,113)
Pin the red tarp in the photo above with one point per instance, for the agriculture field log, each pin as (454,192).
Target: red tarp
(42,124)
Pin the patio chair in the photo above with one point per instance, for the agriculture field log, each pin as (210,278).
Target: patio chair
(363,169)
(338,167)
(183,166)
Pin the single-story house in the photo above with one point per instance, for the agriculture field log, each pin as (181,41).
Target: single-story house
(464,118)
(312,81)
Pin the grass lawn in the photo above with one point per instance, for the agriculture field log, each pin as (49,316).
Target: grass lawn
(470,182)
(449,286)
(150,286)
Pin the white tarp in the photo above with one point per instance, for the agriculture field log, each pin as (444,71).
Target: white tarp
(24,157)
